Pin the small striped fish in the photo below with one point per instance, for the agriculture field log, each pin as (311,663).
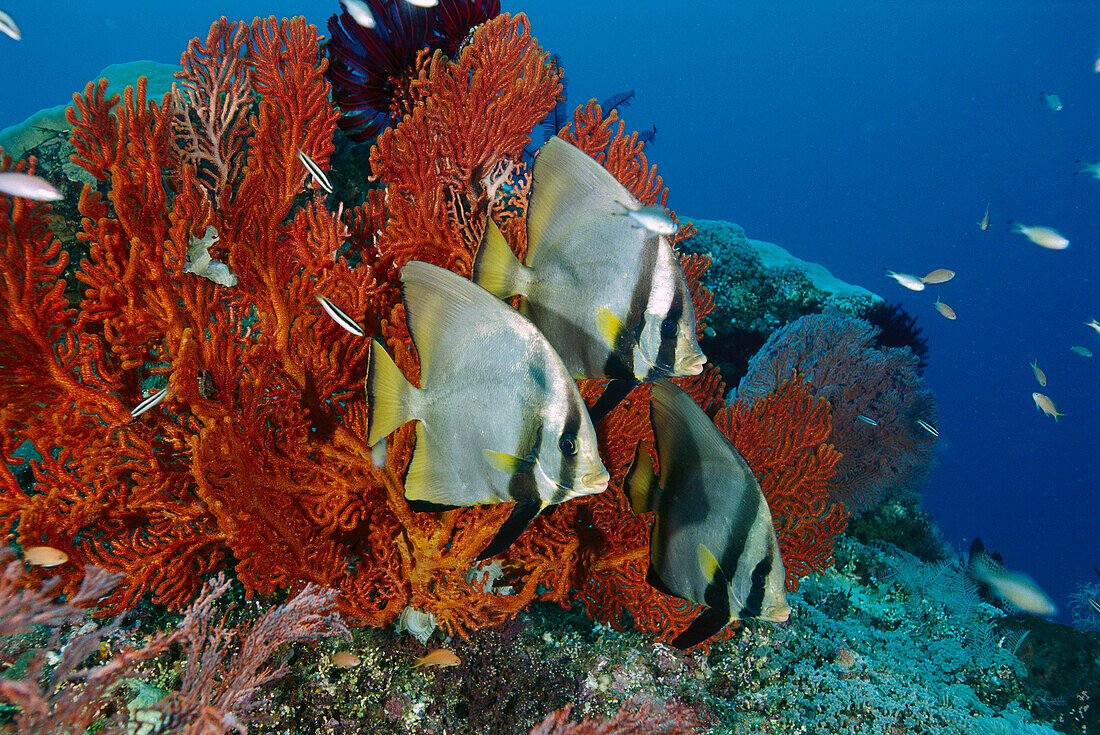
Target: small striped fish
(150,402)
(315,171)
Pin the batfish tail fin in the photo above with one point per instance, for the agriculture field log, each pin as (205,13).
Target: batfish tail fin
(388,394)
(496,267)
(641,482)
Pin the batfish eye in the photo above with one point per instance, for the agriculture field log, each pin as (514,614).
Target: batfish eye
(568,444)
(668,328)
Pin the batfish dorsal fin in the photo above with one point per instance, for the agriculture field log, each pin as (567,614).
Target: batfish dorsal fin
(496,267)
(387,394)
(441,305)
(641,483)
(567,185)
(703,627)
(520,519)
(678,421)
(430,478)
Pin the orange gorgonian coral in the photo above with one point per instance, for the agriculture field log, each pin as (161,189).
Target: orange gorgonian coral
(208,244)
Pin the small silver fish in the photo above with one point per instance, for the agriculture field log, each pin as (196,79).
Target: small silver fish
(1053,101)
(340,316)
(709,508)
(867,420)
(28,186)
(984,224)
(499,418)
(1095,325)
(911,282)
(1082,351)
(359,12)
(315,171)
(1014,587)
(940,275)
(1044,237)
(8,26)
(653,219)
(1092,169)
(928,427)
(150,402)
(609,295)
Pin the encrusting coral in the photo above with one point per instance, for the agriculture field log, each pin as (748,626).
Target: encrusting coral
(256,459)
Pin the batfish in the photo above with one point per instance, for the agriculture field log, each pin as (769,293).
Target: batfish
(499,419)
(606,290)
(713,541)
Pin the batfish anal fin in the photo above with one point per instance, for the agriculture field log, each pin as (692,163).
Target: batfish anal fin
(496,267)
(508,463)
(430,478)
(520,519)
(616,391)
(703,627)
(423,506)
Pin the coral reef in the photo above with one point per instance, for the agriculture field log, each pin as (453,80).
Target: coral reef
(888,452)
(898,328)
(759,287)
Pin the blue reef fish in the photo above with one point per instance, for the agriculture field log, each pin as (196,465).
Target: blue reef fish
(713,541)
(499,418)
(867,420)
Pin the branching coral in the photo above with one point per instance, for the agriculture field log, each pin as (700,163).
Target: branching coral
(257,458)
(887,452)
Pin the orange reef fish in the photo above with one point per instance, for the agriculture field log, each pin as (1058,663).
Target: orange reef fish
(44,556)
(944,309)
(1044,404)
(984,224)
(940,275)
(345,660)
(1039,374)
(440,657)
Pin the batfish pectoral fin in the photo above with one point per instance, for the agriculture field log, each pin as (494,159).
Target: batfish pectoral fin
(508,463)
(496,267)
(612,330)
(703,627)
(613,394)
(520,519)
(717,591)
(641,482)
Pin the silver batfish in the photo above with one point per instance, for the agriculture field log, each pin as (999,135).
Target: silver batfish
(713,541)
(606,290)
(499,417)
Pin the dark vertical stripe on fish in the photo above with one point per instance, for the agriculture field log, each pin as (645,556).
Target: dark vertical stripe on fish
(623,356)
(568,461)
(523,487)
(755,602)
(666,353)
(740,535)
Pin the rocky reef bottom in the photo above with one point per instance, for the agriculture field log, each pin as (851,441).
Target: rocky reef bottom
(885,643)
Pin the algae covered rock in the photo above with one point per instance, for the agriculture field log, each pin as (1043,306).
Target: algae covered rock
(758,287)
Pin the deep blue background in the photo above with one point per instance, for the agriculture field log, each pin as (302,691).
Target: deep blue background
(861,135)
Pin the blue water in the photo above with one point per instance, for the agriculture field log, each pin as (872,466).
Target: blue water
(860,135)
